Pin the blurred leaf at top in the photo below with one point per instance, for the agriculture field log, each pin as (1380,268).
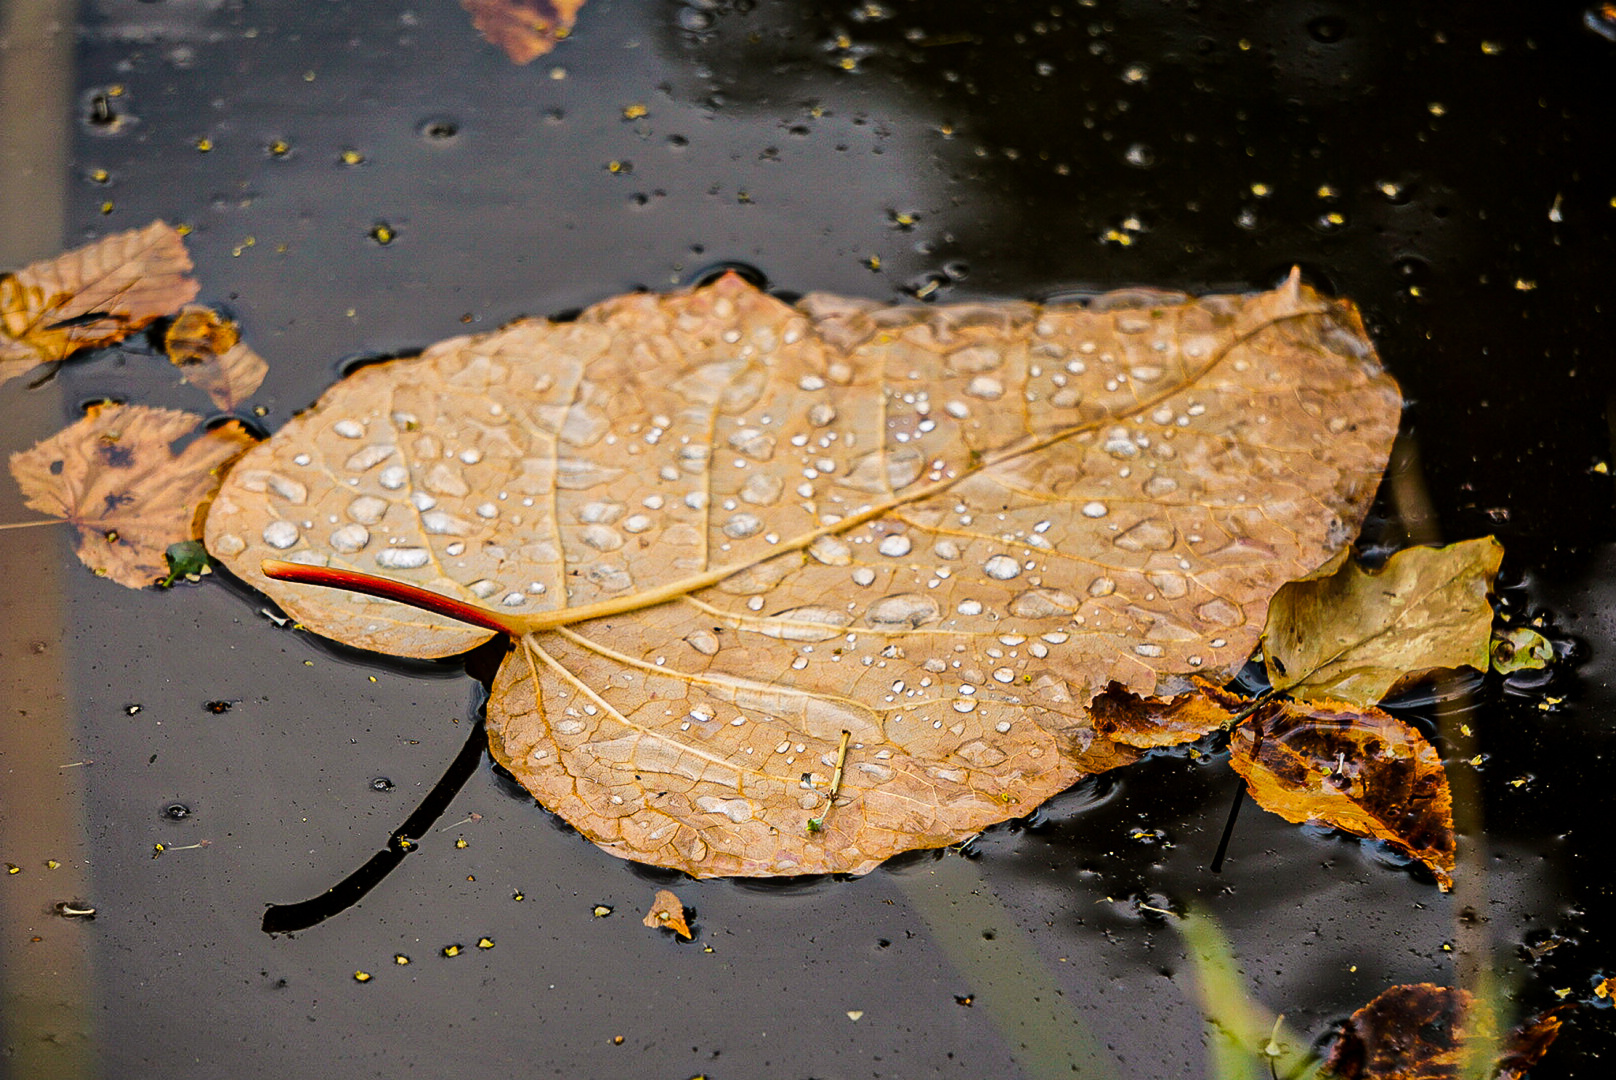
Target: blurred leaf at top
(525,29)
(93,295)
(208,350)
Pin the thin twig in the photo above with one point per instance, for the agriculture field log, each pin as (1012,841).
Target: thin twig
(818,823)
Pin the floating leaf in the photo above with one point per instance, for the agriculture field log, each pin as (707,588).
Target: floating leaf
(1357,634)
(726,529)
(208,350)
(1421,1031)
(115,476)
(667,913)
(1147,722)
(1354,768)
(525,29)
(91,296)
(187,559)
(1520,648)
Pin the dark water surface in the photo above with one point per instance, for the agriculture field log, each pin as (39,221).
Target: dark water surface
(1450,168)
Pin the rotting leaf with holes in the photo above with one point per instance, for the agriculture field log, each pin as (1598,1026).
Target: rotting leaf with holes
(1423,1032)
(724,529)
(1358,634)
(1351,767)
(208,350)
(525,29)
(114,476)
(93,295)
(1149,722)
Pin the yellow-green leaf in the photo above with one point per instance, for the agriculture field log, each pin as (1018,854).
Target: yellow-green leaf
(1357,634)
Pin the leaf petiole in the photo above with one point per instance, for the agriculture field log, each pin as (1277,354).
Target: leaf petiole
(388,589)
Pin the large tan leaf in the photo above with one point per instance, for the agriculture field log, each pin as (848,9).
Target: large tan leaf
(94,295)
(115,477)
(1357,634)
(728,530)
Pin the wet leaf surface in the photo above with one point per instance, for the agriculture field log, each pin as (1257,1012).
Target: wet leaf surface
(116,478)
(1357,634)
(1420,1031)
(726,530)
(525,29)
(667,913)
(1352,767)
(94,295)
(1147,722)
(208,350)
(1520,648)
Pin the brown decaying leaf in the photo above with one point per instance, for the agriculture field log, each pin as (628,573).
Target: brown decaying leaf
(1147,722)
(667,913)
(115,477)
(1354,768)
(91,296)
(1354,636)
(208,350)
(525,29)
(1419,1032)
(725,529)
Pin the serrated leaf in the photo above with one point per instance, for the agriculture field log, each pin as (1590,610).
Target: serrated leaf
(94,295)
(1354,768)
(726,529)
(115,477)
(1357,634)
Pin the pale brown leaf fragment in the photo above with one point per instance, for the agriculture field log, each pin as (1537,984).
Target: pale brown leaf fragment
(1357,634)
(94,295)
(727,529)
(525,29)
(115,477)
(667,913)
(208,350)
(1353,768)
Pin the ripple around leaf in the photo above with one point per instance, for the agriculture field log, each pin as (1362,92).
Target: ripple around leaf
(729,529)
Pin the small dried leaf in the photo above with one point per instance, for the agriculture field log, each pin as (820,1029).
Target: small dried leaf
(1420,1032)
(667,913)
(94,295)
(525,29)
(115,477)
(1357,634)
(1147,722)
(725,530)
(208,350)
(1354,768)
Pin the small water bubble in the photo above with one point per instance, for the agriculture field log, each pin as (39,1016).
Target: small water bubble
(1327,29)
(1246,218)
(1140,156)
(381,783)
(439,129)
(1136,74)
(694,19)
(1044,67)
(176,811)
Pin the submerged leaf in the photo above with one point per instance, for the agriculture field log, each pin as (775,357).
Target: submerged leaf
(208,350)
(726,529)
(525,29)
(1520,648)
(667,913)
(1357,634)
(1422,1031)
(115,477)
(187,559)
(91,296)
(1353,768)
